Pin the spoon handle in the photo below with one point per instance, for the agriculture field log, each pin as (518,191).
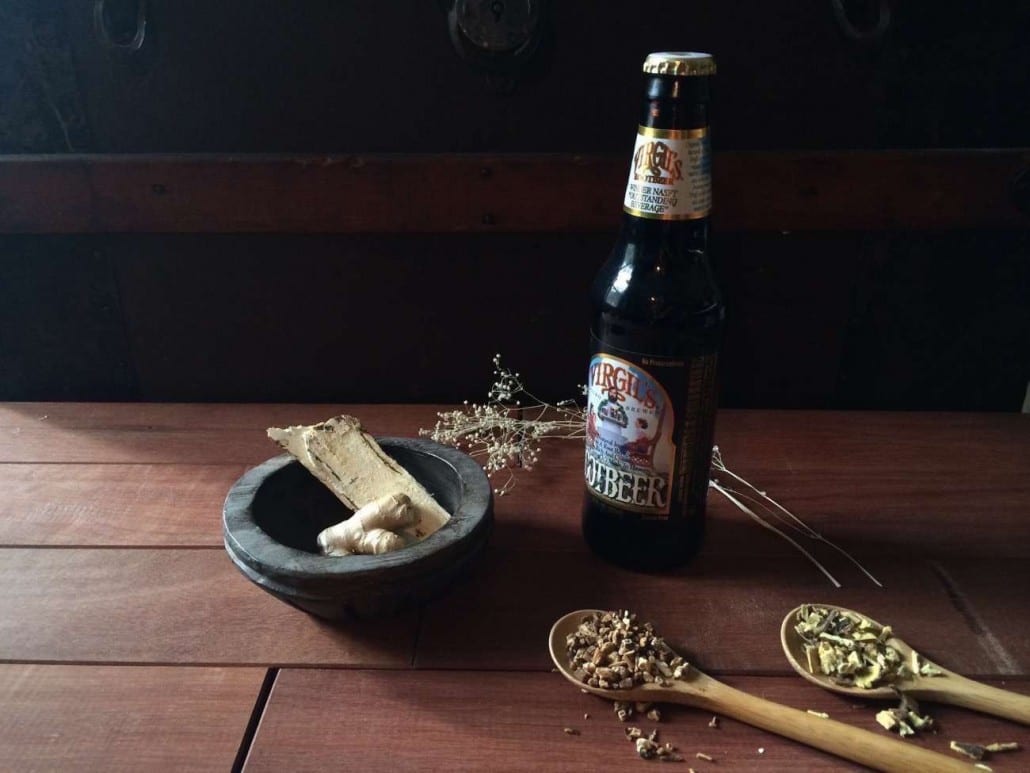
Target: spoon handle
(960,691)
(880,752)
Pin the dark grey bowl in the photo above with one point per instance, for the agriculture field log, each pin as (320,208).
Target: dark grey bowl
(274,513)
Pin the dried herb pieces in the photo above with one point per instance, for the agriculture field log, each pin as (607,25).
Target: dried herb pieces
(906,719)
(854,651)
(613,651)
(977,751)
(648,747)
(1009,746)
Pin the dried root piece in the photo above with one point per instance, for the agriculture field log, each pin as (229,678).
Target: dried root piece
(1009,746)
(646,748)
(570,731)
(353,466)
(976,751)
(972,750)
(374,529)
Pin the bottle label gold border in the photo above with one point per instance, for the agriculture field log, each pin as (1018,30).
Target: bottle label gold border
(672,134)
(670,175)
(652,216)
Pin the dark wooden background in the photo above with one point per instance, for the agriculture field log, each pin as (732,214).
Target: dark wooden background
(866,265)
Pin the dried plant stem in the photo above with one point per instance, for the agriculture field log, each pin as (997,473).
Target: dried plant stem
(765,501)
(765,524)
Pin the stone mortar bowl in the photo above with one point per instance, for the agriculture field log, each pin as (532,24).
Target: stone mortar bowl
(273,514)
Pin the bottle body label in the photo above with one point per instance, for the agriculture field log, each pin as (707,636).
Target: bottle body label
(648,435)
(670,176)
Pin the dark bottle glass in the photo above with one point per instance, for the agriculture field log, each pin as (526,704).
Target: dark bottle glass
(657,320)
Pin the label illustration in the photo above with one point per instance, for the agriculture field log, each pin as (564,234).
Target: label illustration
(670,177)
(629,450)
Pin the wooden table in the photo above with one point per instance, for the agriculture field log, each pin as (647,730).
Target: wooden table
(129,641)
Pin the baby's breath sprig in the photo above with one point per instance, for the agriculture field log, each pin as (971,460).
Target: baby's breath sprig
(506,431)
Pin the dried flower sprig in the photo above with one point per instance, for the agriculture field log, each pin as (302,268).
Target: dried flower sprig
(505,432)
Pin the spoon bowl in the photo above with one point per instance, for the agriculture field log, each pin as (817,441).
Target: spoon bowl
(794,647)
(945,687)
(700,690)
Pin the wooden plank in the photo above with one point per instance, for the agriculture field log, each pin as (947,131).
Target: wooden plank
(514,721)
(992,595)
(384,419)
(124,719)
(946,443)
(141,433)
(113,504)
(724,613)
(770,191)
(879,484)
(160,606)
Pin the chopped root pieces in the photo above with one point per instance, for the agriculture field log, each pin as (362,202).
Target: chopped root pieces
(570,731)
(761,750)
(612,651)
(972,750)
(646,748)
(1010,746)
(706,757)
(854,651)
(649,749)
(820,714)
(586,716)
(623,710)
(976,751)
(713,722)
(906,719)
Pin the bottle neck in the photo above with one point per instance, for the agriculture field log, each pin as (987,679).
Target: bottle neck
(675,103)
(668,195)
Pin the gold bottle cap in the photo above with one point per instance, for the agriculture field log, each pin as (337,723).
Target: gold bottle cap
(679,63)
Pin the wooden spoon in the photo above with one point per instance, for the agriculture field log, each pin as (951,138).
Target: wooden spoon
(947,687)
(880,752)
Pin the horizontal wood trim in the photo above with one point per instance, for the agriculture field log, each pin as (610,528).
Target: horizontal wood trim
(115,718)
(755,191)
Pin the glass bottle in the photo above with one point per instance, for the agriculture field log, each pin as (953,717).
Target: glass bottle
(657,320)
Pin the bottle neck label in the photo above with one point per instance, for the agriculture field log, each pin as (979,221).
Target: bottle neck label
(670,177)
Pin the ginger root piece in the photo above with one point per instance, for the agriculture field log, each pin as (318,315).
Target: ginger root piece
(354,467)
(374,529)
(373,542)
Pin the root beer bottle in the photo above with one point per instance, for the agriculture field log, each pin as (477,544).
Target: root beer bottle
(656,325)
